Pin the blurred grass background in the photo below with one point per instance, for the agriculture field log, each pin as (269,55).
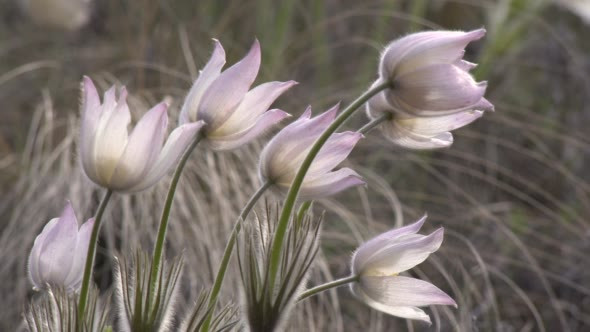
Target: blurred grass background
(512,192)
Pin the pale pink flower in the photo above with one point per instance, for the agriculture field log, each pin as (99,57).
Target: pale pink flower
(59,252)
(428,75)
(283,155)
(378,263)
(415,132)
(116,160)
(233,114)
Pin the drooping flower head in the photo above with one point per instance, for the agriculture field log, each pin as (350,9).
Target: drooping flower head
(116,160)
(378,263)
(233,114)
(283,155)
(59,252)
(428,75)
(418,132)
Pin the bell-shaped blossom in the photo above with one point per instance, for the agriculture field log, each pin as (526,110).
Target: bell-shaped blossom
(378,262)
(233,114)
(283,155)
(428,75)
(59,252)
(415,132)
(115,159)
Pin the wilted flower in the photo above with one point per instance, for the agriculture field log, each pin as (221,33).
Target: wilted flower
(116,160)
(428,76)
(233,115)
(282,156)
(378,262)
(59,252)
(415,132)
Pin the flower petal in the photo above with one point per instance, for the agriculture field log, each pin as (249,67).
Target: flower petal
(175,145)
(402,254)
(207,75)
(426,48)
(263,123)
(74,277)
(143,148)
(112,136)
(329,184)
(400,291)
(334,151)
(410,140)
(438,124)
(255,103)
(33,264)
(436,88)
(225,93)
(398,311)
(375,244)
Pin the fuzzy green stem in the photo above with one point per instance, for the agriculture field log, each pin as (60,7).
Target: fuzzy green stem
(326,286)
(281,229)
(159,247)
(375,122)
(229,251)
(91,254)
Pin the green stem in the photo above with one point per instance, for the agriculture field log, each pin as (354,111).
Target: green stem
(326,286)
(91,254)
(159,248)
(229,251)
(375,122)
(277,243)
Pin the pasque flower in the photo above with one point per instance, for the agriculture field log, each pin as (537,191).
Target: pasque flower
(428,75)
(233,114)
(378,262)
(416,132)
(128,163)
(282,156)
(59,252)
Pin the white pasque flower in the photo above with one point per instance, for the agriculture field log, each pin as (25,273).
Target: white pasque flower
(59,252)
(428,75)
(233,114)
(116,160)
(378,262)
(283,155)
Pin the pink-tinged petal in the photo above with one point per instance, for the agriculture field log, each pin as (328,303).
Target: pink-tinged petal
(175,145)
(225,93)
(74,277)
(111,138)
(58,247)
(375,244)
(143,148)
(400,291)
(336,149)
(207,75)
(329,184)
(91,110)
(33,264)
(484,105)
(255,103)
(437,88)
(235,140)
(465,65)
(410,140)
(438,124)
(398,311)
(402,254)
(426,48)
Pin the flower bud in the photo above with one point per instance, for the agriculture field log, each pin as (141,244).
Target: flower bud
(59,252)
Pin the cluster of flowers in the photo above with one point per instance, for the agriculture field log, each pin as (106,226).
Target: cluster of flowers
(423,92)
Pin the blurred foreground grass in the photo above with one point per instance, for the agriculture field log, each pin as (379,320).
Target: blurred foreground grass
(513,192)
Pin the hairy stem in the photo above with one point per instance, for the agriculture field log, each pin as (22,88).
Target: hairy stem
(278,239)
(91,254)
(375,122)
(159,247)
(326,286)
(229,251)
